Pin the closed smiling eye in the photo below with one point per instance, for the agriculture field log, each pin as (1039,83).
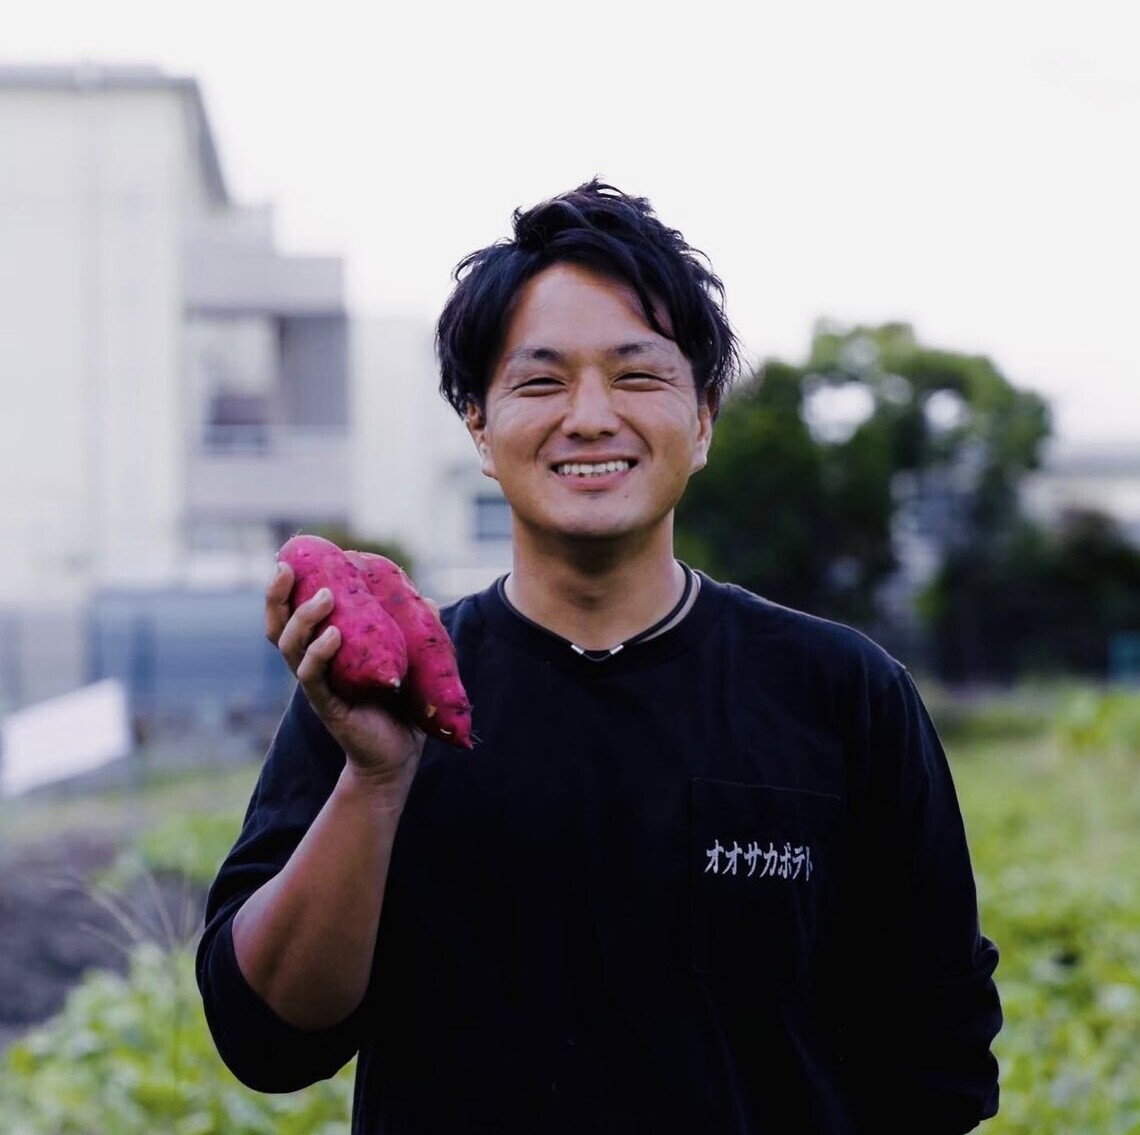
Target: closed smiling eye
(642,379)
(538,385)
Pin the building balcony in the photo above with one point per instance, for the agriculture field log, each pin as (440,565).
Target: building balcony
(266,473)
(222,280)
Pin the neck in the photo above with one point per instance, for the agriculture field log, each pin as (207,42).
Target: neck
(593,599)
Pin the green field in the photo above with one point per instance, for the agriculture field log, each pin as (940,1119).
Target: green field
(1052,803)
(1048,783)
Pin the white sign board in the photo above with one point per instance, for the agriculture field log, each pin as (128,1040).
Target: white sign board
(64,736)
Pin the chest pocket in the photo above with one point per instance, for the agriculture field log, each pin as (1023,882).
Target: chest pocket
(761,874)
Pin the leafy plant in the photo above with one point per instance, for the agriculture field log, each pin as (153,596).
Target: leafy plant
(1092,720)
(188,845)
(132,1056)
(1052,823)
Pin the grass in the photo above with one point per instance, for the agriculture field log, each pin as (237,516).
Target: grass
(126,809)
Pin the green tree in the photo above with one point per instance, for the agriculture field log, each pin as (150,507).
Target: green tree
(346,538)
(1041,601)
(820,471)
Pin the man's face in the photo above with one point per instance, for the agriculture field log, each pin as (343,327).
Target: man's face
(592,424)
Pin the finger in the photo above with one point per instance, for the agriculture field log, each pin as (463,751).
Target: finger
(313,665)
(312,676)
(277,607)
(302,626)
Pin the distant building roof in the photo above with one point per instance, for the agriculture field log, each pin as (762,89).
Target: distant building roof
(92,77)
(1086,458)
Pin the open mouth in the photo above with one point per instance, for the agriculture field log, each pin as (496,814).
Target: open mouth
(592,469)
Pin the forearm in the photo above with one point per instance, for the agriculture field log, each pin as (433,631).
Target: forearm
(304,940)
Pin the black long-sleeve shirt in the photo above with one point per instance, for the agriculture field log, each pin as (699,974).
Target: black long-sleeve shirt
(716,883)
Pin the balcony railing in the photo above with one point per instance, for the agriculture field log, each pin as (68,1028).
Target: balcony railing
(263,472)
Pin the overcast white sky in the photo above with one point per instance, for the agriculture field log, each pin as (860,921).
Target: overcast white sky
(970,167)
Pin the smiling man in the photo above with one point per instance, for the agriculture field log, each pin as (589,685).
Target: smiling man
(704,871)
(592,424)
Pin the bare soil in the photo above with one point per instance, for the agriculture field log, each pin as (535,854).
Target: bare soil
(58,921)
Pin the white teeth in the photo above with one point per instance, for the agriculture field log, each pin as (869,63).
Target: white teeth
(578,469)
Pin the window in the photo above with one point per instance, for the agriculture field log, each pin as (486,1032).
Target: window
(492,518)
(233,365)
(237,421)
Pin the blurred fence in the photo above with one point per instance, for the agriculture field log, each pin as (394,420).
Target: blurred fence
(1124,657)
(188,658)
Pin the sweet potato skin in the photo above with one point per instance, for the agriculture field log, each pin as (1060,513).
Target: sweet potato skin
(432,696)
(372,660)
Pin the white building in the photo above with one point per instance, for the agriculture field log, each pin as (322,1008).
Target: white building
(179,396)
(419,478)
(1102,478)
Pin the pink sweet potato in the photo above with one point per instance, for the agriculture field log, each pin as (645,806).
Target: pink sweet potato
(372,660)
(432,696)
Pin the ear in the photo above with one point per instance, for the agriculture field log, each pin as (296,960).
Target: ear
(708,404)
(475,419)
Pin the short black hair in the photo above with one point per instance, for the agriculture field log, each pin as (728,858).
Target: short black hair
(600,228)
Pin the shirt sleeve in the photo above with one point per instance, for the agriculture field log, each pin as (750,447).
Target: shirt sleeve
(261,1049)
(922,1005)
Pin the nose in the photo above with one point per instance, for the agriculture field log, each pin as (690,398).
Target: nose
(591,410)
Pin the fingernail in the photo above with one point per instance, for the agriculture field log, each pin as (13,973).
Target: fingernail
(323,595)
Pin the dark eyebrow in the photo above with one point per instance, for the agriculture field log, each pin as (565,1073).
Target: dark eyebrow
(535,355)
(621,351)
(633,350)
